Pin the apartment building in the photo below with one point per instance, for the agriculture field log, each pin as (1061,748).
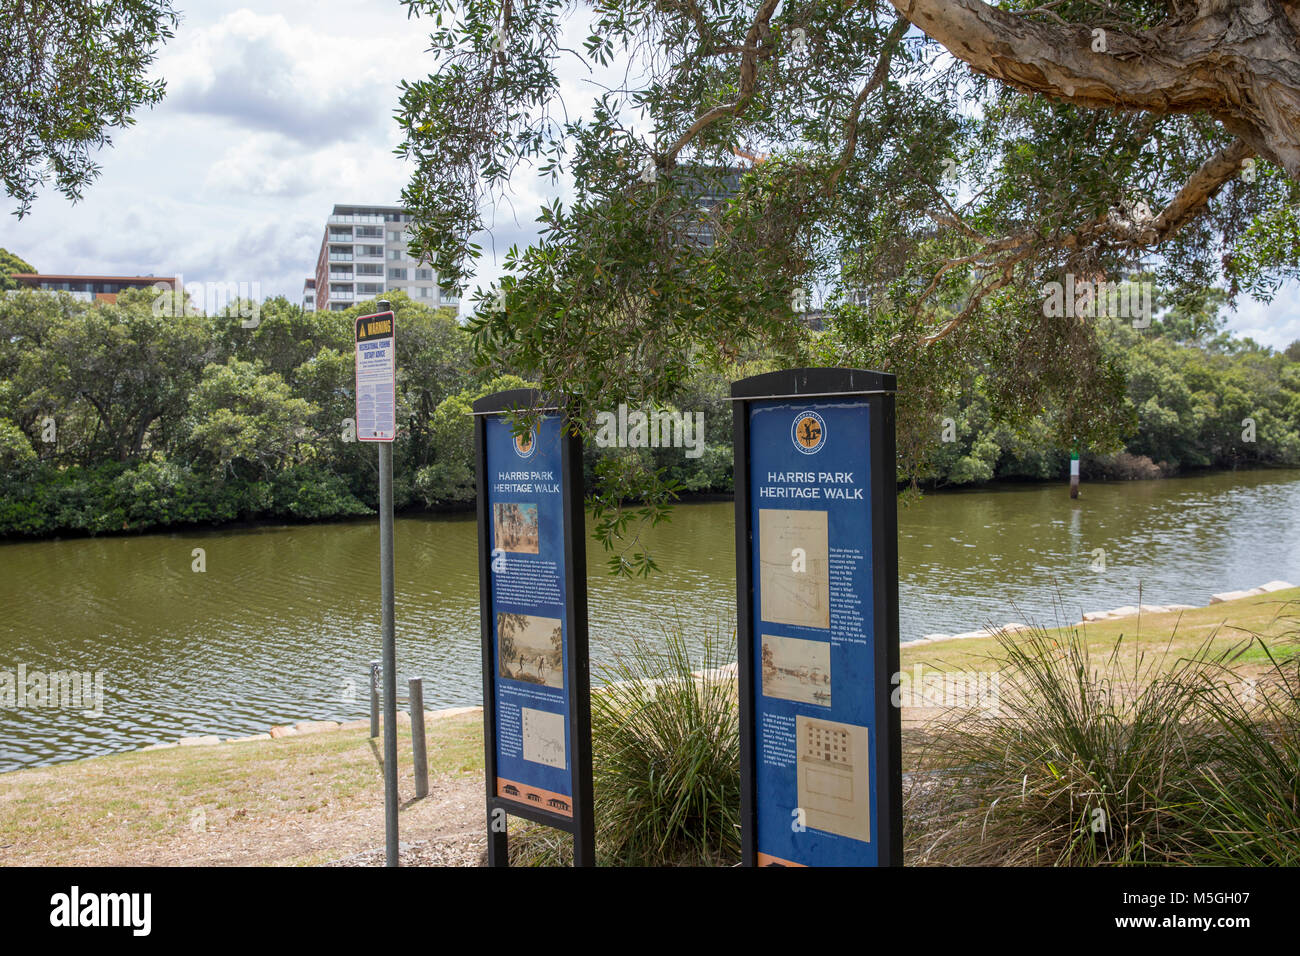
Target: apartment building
(91,288)
(309,295)
(363,254)
(708,187)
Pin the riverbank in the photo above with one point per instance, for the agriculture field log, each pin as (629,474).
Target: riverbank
(1114,614)
(12,532)
(1229,621)
(315,796)
(292,801)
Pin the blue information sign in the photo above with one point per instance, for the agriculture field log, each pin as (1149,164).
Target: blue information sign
(534,739)
(818,621)
(533,603)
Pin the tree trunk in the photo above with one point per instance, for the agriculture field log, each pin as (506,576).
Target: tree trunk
(1237,60)
(142,426)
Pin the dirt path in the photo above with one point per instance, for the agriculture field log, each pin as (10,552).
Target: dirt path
(443,829)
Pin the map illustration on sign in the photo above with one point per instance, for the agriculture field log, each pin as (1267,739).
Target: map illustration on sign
(530,649)
(832,770)
(794,577)
(796,669)
(543,733)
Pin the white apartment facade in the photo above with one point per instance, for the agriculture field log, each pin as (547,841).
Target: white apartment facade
(363,254)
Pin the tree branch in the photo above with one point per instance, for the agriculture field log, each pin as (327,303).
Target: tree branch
(1003,255)
(753,51)
(1239,62)
(878,77)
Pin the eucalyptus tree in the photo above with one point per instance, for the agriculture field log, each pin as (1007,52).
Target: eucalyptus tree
(9,264)
(113,378)
(70,72)
(918,171)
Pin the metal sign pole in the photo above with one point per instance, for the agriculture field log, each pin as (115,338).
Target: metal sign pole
(390,650)
(376,398)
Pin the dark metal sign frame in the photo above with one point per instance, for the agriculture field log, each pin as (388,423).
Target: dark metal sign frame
(577,674)
(827,385)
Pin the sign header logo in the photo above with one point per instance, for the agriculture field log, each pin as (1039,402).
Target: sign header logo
(526,444)
(808,432)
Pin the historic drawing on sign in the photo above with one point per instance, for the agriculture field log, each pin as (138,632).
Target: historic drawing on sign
(514,527)
(530,648)
(794,551)
(832,769)
(543,737)
(797,670)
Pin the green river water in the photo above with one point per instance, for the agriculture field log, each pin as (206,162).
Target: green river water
(282,623)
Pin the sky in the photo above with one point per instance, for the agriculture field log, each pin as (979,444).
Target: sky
(274,114)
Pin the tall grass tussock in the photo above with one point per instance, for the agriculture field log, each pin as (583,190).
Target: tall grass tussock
(1129,760)
(666,757)
(1139,755)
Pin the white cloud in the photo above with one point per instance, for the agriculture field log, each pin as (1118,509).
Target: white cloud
(1276,324)
(274,116)
(271,118)
(265,165)
(264,73)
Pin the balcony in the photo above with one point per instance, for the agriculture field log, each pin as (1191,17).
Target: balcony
(80,296)
(340,257)
(340,237)
(341,276)
(345,296)
(359,218)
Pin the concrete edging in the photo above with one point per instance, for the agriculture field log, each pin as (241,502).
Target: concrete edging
(306,727)
(1128,610)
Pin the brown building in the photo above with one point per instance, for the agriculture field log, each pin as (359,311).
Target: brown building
(92,288)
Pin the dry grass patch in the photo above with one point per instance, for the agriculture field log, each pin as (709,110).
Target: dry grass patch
(295,800)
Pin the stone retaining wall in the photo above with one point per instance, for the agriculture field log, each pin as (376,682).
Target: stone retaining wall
(304,727)
(1129,610)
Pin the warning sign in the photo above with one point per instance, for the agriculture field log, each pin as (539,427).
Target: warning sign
(376,378)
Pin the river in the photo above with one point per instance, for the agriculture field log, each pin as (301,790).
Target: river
(281,624)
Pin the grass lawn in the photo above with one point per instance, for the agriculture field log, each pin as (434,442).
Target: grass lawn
(295,800)
(1162,638)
